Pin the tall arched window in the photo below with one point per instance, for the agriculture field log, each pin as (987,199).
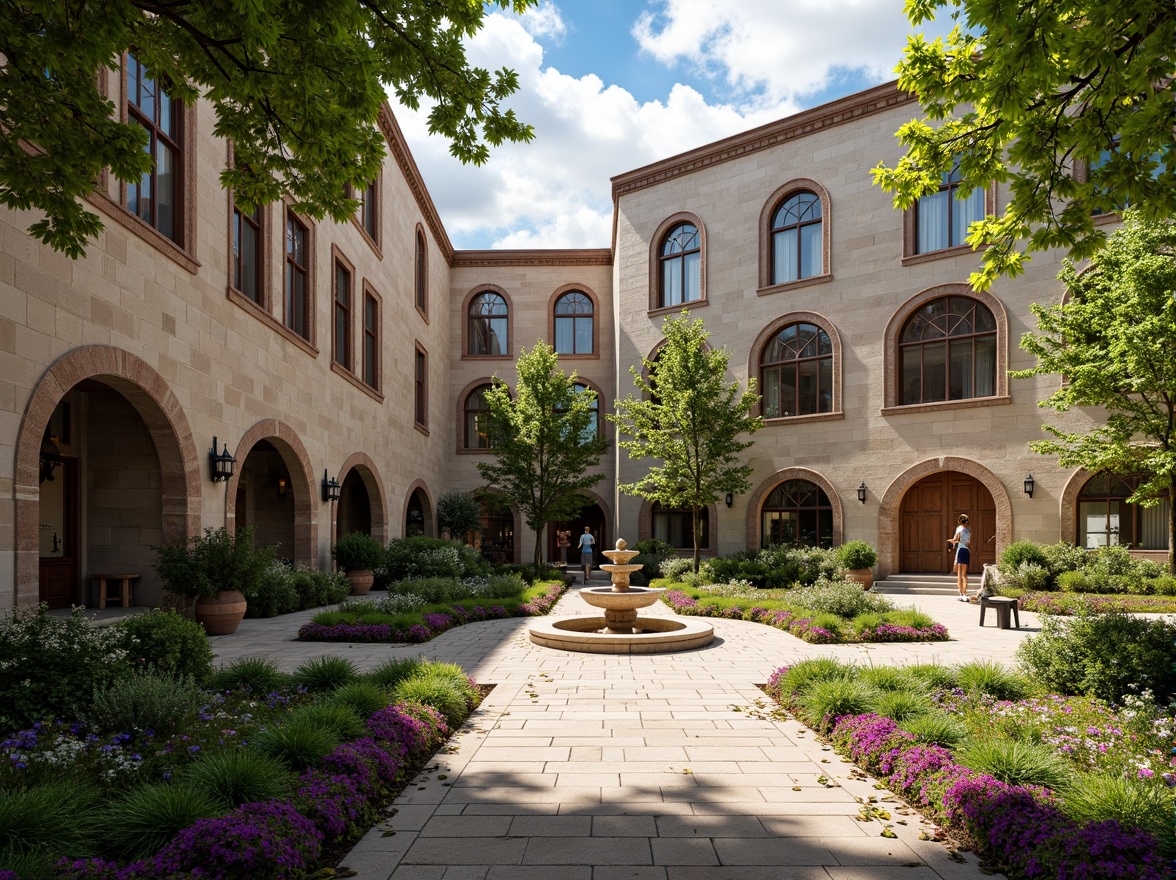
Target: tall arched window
(942,218)
(1106,517)
(796,372)
(573,323)
(676,526)
(797,247)
(797,513)
(420,276)
(947,351)
(477,419)
(488,325)
(680,266)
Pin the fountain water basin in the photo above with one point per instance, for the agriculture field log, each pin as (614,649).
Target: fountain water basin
(621,630)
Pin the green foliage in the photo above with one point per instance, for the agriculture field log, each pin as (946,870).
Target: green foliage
(299,743)
(546,441)
(451,672)
(364,698)
(526,573)
(37,864)
(1015,762)
(393,671)
(57,816)
(317,588)
(1020,552)
(168,643)
(441,693)
(989,677)
(1026,577)
(1114,339)
(422,557)
(51,665)
(433,590)
(933,676)
(146,701)
(237,776)
(458,514)
(138,823)
(802,675)
(936,728)
(1018,95)
(840,598)
(1160,586)
(675,566)
(325,673)
(686,424)
(203,565)
(857,554)
(256,63)
(901,705)
(1076,582)
(824,701)
(259,674)
(1106,655)
(1064,556)
(275,593)
(357,551)
(888,678)
(1101,797)
(655,547)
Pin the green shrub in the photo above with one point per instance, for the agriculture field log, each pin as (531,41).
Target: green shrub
(440,693)
(824,701)
(936,728)
(40,864)
(420,557)
(236,776)
(1101,655)
(1075,582)
(259,674)
(203,565)
(933,676)
(1027,577)
(451,672)
(317,588)
(1099,797)
(341,719)
(1064,556)
(365,698)
(298,744)
(992,678)
(357,551)
(168,643)
(146,702)
(526,573)
(844,599)
(274,594)
(652,552)
(1015,762)
(141,821)
(458,513)
(325,673)
(885,678)
(802,675)
(58,817)
(857,555)
(901,705)
(391,672)
(52,666)
(674,567)
(1165,585)
(1020,552)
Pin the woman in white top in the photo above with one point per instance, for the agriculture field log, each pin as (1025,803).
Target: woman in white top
(959,545)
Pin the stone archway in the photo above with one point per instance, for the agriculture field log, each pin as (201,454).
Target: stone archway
(305,495)
(418,500)
(597,516)
(756,500)
(164,419)
(361,467)
(890,508)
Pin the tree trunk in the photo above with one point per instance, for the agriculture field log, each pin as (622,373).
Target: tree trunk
(1171,528)
(697,538)
(539,533)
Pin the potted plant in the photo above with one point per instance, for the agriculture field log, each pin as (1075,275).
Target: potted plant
(215,569)
(858,558)
(357,554)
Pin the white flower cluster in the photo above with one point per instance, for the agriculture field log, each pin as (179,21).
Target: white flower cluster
(400,603)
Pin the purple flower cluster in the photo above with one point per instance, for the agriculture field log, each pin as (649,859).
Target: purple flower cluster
(1019,828)
(333,802)
(370,767)
(410,729)
(893,632)
(1068,603)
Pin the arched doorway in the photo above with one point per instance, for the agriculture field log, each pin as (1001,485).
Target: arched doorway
(354,513)
(265,499)
(928,517)
(418,514)
(591,516)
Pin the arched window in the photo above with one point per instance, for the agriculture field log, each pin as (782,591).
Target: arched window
(942,218)
(797,246)
(947,351)
(797,513)
(676,526)
(680,266)
(420,275)
(477,420)
(796,372)
(573,323)
(488,325)
(1106,517)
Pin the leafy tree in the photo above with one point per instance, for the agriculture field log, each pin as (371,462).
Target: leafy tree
(1114,342)
(1026,94)
(458,513)
(297,87)
(690,420)
(545,441)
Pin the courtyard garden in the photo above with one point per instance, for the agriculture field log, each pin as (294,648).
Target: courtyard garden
(124,754)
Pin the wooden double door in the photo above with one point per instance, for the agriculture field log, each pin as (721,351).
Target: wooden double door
(930,510)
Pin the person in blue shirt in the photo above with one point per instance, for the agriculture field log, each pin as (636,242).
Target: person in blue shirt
(959,545)
(586,544)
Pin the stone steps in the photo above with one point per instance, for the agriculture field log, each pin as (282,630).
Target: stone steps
(923,584)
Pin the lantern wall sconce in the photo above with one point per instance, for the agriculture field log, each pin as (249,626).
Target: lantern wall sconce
(730,499)
(1029,484)
(283,489)
(861,492)
(220,464)
(331,487)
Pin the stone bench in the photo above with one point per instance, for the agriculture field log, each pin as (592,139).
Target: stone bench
(1003,606)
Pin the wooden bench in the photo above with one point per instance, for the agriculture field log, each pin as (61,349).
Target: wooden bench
(1003,606)
(123,581)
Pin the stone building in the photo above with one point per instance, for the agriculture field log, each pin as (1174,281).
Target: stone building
(315,352)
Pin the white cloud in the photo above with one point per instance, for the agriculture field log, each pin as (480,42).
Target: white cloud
(545,21)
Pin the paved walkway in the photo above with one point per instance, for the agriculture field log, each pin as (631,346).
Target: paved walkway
(661,767)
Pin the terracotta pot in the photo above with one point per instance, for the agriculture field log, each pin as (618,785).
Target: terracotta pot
(361,580)
(221,614)
(863,576)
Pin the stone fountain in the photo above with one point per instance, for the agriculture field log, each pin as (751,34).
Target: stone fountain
(621,630)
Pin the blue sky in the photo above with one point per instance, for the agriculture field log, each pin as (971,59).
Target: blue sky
(612,85)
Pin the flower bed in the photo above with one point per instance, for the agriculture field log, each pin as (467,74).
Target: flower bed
(1073,603)
(806,624)
(433,623)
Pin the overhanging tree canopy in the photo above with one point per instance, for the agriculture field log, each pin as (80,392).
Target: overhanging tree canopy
(297,86)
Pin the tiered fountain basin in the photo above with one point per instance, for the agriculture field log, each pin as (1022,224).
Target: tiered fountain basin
(621,630)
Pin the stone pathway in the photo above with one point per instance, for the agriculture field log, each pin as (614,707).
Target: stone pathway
(658,767)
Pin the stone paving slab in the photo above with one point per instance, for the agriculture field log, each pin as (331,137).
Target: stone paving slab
(638,767)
